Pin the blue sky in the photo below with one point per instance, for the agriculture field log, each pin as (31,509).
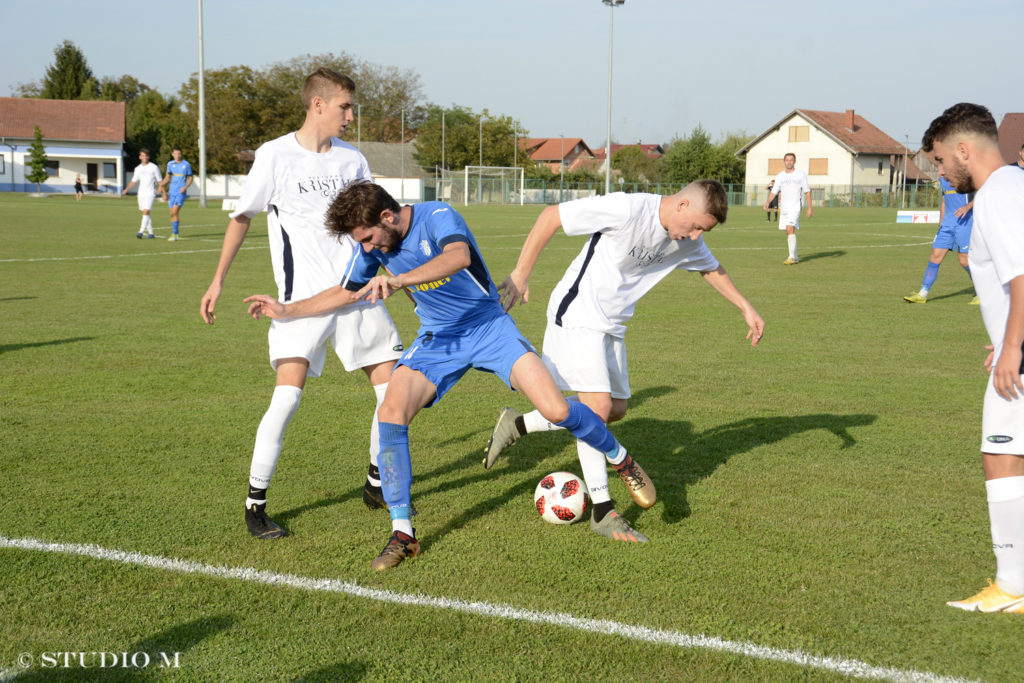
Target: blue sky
(731,65)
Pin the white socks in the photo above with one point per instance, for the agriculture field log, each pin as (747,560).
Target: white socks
(791,241)
(147,224)
(1006,514)
(270,435)
(595,472)
(379,390)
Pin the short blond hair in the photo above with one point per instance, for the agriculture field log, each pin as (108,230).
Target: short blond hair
(322,82)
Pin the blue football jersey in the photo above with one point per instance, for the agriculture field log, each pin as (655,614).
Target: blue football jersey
(953,200)
(464,299)
(179,172)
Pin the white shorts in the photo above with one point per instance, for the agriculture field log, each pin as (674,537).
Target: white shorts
(145,201)
(789,218)
(586,360)
(360,335)
(1002,424)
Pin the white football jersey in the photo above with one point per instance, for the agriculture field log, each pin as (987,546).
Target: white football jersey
(296,186)
(996,254)
(148,176)
(629,251)
(791,188)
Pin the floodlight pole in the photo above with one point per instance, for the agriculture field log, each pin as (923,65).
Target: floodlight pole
(202,116)
(359,126)
(905,151)
(402,150)
(608,147)
(442,140)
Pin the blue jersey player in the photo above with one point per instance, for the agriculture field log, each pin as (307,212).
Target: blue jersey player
(956,216)
(429,251)
(179,175)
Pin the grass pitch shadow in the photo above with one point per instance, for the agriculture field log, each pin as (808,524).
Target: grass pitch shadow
(822,254)
(4,348)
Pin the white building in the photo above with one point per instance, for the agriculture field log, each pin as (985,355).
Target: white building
(83,138)
(837,149)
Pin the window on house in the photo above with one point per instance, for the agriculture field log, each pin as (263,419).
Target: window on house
(52,167)
(3,164)
(817,167)
(799,133)
(879,168)
(109,170)
(775,166)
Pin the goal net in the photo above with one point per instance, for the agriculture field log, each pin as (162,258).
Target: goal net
(482,185)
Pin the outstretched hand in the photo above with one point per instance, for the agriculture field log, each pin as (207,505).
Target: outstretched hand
(264,305)
(513,291)
(379,287)
(756,324)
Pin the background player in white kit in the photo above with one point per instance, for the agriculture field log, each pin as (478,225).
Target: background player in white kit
(790,186)
(147,176)
(965,145)
(635,241)
(294,178)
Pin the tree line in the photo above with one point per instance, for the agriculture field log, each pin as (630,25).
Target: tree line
(246,106)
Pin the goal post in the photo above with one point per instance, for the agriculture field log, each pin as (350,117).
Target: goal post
(483,185)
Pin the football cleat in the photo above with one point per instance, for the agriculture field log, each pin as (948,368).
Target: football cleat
(172,238)
(150,236)
(259,525)
(974,302)
(992,599)
(504,435)
(791,261)
(915,298)
(373,497)
(615,527)
(399,547)
(639,485)
(139,236)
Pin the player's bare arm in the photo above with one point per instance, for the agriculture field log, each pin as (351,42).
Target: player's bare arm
(516,289)
(1006,373)
(453,258)
(810,209)
(721,282)
(233,238)
(963,210)
(264,305)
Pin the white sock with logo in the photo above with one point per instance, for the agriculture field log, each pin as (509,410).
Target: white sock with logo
(535,422)
(270,434)
(791,241)
(379,390)
(1006,515)
(595,472)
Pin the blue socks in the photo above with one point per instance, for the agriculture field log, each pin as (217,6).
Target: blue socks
(931,273)
(174,227)
(586,426)
(395,468)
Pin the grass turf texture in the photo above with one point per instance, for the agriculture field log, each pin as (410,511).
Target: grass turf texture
(820,493)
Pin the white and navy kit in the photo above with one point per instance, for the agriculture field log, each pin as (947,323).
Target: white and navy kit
(147,176)
(996,257)
(462,324)
(296,186)
(629,251)
(791,188)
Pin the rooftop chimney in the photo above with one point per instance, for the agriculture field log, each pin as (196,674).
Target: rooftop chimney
(849,119)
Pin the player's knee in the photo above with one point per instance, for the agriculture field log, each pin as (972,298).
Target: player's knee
(554,412)
(618,410)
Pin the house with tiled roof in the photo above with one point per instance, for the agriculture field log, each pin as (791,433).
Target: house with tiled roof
(832,148)
(83,138)
(652,150)
(1011,137)
(557,154)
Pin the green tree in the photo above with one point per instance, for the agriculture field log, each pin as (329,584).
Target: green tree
(157,123)
(635,166)
(696,157)
(37,161)
(69,77)
(465,133)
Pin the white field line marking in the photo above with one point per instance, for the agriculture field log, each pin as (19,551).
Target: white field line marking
(847,667)
(113,256)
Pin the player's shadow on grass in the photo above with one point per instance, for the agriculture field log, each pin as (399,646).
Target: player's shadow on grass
(4,348)
(159,648)
(685,457)
(822,254)
(18,298)
(342,671)
(966,290)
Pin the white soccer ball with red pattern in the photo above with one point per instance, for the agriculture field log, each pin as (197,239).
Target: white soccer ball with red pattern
(561,498)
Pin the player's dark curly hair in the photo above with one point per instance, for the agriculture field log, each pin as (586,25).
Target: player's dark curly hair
(358,205)
(715,199)
(958,119)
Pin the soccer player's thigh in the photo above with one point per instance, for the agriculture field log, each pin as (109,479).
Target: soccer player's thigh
(1002,424)
(586,360)
(788,218)
(301,338)
(963,238)
(364,336)
(145,203)
(945,238)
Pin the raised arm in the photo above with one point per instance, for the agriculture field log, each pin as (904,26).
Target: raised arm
(333,298)
(721,282)
(453,258)
(233,238)
(516,289)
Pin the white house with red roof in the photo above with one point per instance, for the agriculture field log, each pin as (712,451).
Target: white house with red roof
(81,137)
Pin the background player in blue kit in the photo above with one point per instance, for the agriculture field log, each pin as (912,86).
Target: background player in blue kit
(179,175)
(956,216)
(429,251)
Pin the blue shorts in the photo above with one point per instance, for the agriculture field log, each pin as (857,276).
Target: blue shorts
(175,198)
(953,237)
(443,358)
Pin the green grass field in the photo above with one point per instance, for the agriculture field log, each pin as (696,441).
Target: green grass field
(820,497)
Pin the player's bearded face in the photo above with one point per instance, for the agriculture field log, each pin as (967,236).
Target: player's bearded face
(952,168)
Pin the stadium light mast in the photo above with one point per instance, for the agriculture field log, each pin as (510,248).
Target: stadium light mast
(202,116)
(612,4)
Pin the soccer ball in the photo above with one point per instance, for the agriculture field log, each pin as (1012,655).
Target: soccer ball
(561,498)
